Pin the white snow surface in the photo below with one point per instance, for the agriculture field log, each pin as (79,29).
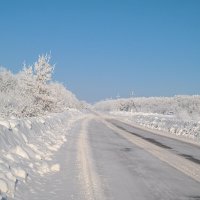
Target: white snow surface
(27,146)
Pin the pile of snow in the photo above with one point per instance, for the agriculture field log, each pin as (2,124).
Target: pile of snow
(183,107)
(163,123)
(32,92)
(27,146)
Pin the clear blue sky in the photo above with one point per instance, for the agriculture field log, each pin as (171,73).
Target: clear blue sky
(102,48)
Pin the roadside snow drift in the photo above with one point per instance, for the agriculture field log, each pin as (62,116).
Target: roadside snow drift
(27,145)
(163,123)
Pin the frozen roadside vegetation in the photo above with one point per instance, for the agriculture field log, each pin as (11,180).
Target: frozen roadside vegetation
(31,92)
(35,117)
(179,115)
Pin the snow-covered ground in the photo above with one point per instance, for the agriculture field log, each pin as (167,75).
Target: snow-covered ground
(27,146)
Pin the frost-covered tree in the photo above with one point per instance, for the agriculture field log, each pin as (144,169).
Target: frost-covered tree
(64,98)
(32,92)
(34,81)
(27,90)
(43,71)
(8,86)
(7,80)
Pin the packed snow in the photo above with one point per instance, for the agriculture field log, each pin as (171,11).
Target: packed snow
(179,115)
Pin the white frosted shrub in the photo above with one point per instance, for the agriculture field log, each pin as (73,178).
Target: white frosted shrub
(31,92)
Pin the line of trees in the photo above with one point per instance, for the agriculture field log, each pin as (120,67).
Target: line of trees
(32,92)
(183,107)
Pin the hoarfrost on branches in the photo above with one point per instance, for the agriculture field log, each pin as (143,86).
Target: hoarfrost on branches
(32,92)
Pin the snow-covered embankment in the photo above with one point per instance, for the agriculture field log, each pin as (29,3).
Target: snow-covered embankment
(27,145)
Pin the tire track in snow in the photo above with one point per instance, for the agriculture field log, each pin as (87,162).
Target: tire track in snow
(89,180)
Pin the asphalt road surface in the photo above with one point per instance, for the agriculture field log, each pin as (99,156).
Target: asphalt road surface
(106,159)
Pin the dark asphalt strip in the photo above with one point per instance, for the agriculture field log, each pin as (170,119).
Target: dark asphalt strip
(145,138)
(191,158)
(153,141)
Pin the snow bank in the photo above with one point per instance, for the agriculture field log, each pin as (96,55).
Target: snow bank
(27,145)
(165,123)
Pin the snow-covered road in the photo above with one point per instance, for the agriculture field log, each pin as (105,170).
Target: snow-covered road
(107,159)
